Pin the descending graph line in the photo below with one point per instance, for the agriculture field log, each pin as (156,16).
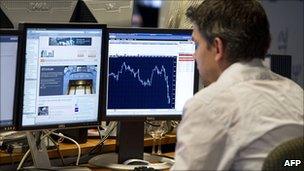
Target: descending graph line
(148,82)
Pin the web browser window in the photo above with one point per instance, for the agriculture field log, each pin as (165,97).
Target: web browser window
(149,73)
(8,58)
(62,77)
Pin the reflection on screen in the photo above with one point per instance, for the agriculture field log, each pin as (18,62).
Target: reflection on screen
(149,73)
(8,57)
(61,76)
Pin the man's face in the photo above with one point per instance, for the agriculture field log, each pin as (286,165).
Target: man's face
(205,59)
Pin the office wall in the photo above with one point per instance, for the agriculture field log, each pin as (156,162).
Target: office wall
(286,26)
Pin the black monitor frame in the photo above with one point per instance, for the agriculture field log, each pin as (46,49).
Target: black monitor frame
(130,131)
(148,117)
(280,64)
(11,32)
(21,68)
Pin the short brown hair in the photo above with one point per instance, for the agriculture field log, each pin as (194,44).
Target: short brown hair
(242,25)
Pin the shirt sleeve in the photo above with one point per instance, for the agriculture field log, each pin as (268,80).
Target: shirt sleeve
(201,138)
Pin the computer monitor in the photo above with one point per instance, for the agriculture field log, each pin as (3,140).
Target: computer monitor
(151,74)
(279,64)
(13,12)
(8,59)
(62,75)
(110,12)
(61,81)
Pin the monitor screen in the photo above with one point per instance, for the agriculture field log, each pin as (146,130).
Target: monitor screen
(279,64)
(13,12)
(8,59)
(62,75)
(151,72)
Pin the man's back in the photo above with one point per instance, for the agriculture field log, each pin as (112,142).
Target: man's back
(251,109)
(270,111)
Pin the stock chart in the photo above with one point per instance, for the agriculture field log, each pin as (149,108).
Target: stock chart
(141,82)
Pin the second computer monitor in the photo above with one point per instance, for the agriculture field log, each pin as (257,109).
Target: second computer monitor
(8,59)
(151,73)
(62,75)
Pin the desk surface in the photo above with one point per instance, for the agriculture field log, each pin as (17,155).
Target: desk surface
(71,149)
(171,154)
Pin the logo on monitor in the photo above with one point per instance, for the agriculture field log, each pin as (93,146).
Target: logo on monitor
(38,6)
(61,126)
(149,118)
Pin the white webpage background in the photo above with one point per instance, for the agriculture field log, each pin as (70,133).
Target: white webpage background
(61,108)
(184,72)
(8,58)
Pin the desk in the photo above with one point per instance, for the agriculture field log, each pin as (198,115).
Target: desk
(93,168)
(71,149)
(171,154)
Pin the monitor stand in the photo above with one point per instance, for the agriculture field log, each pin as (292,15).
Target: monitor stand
(40,156)
(39,153)
(129,146)
(130,140)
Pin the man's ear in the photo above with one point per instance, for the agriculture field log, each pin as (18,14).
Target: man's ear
(219,49)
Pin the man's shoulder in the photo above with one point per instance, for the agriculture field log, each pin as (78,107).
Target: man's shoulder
(212,99)
(246,94)
(213,92)
(275,87)
(212,104)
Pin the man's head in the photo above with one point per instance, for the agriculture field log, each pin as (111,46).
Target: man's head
(228,31)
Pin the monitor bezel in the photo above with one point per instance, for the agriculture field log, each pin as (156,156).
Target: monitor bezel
(148,117)
(21,66)
(12,32)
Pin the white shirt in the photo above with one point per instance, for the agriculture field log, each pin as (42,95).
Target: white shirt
(235,122)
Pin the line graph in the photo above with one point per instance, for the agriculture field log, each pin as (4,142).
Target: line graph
(148,82)
(141,82)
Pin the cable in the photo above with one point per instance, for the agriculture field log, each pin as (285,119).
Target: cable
(58,151)
(98,146)
(28,151)
(107,133)
(78,146)
(23,159)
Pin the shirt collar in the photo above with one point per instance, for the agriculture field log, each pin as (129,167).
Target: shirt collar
(242,71)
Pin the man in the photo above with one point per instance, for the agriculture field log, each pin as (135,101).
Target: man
(246,110)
